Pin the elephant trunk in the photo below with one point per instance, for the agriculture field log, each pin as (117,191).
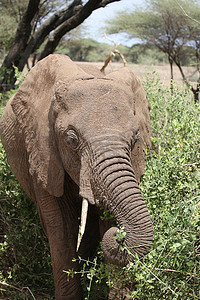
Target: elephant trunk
(119,192)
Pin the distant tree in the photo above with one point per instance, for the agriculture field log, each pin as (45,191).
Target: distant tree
(80,49)
(34,29)
(165,25)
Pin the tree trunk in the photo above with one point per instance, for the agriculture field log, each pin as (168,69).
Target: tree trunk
(195,91)
(172,75)
(71,23)
(62,22)
(7,72)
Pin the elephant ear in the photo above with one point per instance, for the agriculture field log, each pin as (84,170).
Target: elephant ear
(141,108)
(32,106)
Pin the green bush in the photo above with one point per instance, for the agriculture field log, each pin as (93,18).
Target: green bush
(24,252)
(24,255)
(170,188)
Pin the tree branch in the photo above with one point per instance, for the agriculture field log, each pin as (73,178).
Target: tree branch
(23,31)
(112,54)
(21,37)
(59,23)
(48,26)
(81,14)
(187,14)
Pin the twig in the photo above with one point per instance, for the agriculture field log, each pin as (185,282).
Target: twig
(191,165)
(29,291)
(165,284)
(9,285)
(108,38)
(175,271)
(18,289)
(122,56)
(112,53)
(186,13)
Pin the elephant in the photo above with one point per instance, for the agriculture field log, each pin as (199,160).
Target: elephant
(74,136)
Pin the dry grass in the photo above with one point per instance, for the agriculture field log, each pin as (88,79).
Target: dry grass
(142,70)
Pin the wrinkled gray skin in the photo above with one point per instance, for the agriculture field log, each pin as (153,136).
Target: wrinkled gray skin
(71,132)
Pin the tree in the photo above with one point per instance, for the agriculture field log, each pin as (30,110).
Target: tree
(165,25)
(33,31)
(11,14)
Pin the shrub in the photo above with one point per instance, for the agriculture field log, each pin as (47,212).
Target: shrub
(170,188)
(24,252)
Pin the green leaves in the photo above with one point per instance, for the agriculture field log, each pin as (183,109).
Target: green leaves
(171,189)
(24,251)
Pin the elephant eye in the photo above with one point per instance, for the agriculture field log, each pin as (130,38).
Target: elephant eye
(71,139)
(137,135)
(135,138)
(133,141)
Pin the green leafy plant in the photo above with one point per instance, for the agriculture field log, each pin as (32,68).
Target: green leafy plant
(24,250)
(170,188)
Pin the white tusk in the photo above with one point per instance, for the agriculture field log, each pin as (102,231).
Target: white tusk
(84,212)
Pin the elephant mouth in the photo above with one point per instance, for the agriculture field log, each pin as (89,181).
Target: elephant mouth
(120,250)
(114,247)
(132,237)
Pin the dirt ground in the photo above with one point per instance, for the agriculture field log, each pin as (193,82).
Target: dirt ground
(142,70)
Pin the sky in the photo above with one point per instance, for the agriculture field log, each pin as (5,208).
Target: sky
(94,22)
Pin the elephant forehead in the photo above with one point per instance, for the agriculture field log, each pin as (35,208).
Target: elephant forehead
(102,106)
(100,92)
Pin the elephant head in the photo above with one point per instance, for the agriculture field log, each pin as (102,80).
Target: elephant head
(95,128)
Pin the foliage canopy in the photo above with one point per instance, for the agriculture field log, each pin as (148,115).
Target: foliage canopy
(42,22)
(12,13)
(171,26)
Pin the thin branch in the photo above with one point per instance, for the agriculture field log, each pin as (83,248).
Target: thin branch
(107,62)
(165,284)
(175,271)
(186,13)
(9,285)
(122,56)
(192,164)
(18,289)
(108,38)
(112,53)
(29,291)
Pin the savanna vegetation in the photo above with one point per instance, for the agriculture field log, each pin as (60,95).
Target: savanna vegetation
(167,31)
(170,188)
(170,26)
(171,184)
(40,23)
